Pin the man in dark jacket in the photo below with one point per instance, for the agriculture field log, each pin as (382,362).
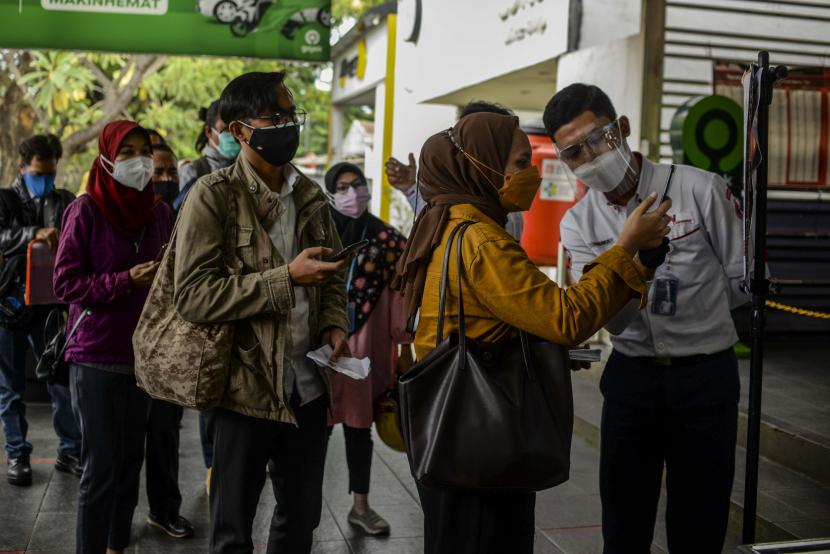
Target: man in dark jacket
(31,209)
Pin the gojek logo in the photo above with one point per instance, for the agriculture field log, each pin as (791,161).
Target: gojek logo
(312,42)
(312,37)
(137,7)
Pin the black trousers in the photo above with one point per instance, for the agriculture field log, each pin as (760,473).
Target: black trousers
(359,447)
(681,417)
(242,446)
(206,436)
(113,417)
(162,458)
(469,523)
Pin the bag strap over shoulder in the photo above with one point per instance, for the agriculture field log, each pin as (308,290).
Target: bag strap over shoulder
(230,220)
(442,302)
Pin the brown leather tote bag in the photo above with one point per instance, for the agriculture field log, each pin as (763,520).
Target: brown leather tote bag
(487,416)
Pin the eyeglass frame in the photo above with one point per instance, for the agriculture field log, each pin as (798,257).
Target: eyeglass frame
(298,118)
(608,138)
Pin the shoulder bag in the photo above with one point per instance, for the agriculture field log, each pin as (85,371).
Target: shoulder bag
(487,416)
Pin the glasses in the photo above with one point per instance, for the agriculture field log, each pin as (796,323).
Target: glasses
(344,185)
(297,117)
(598,141)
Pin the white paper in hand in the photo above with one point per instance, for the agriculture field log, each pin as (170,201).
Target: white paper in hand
(353,367)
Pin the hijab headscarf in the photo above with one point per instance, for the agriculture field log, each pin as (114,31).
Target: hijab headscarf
(128,210)
(447,177)
(374,267)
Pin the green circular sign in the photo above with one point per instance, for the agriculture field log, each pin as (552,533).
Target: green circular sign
(707,132)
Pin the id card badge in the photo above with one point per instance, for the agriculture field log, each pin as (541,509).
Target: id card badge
(664,301)
(352,315)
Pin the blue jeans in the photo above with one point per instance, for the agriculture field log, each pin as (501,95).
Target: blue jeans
(14,344)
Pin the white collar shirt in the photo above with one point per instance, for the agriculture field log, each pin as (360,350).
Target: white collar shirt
(300,373)
(705,259)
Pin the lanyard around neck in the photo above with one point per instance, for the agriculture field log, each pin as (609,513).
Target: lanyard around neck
(354,262)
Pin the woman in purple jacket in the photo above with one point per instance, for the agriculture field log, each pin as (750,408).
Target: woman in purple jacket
(105,263)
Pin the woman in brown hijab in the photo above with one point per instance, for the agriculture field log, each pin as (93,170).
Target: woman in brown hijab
(479,171)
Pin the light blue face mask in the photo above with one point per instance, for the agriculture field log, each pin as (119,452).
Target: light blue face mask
(228,145)
(39,185)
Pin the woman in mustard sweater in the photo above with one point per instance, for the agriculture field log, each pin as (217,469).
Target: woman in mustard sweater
(479,171)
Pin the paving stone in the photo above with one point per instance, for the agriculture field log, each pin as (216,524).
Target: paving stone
(387,546)
(53,531)
(17,530)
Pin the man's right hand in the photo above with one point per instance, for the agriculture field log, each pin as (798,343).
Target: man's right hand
(402,177)
(50,235)
(643,229)
(307,271)
(142,275)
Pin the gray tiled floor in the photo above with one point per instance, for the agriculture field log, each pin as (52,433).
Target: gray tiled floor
(41,519)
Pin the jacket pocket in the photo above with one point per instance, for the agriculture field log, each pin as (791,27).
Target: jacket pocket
(244,250)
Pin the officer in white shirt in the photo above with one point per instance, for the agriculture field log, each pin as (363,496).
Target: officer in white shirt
(671,384)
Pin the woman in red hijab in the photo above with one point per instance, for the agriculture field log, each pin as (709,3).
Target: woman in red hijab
(105,263)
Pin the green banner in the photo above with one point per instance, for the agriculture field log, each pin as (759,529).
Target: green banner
(282,29)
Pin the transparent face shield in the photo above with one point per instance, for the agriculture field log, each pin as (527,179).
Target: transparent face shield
(601,159)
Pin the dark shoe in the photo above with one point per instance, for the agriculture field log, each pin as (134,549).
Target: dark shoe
(68,463)
(20,472)
(178,527)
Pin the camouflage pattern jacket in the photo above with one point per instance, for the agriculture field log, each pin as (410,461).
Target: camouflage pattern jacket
(227,269)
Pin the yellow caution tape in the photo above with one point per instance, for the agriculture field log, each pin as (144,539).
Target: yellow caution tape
(797,311)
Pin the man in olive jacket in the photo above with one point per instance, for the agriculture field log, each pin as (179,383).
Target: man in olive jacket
(249,241)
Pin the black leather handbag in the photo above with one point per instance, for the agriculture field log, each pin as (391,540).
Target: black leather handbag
(52,367)
(487,416)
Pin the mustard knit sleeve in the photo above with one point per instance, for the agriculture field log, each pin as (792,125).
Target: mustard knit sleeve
(516,292)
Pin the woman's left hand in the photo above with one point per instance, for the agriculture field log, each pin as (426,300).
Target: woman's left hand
(339,342)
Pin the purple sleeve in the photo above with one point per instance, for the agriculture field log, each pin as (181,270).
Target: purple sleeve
(74,280)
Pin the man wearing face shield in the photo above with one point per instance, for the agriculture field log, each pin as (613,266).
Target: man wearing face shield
(671,384)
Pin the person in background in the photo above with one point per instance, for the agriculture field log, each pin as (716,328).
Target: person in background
(283,301)
(376,327)
(164,422)
(30,209)
(404,177)
(219,149)
(671,384)
(105,265)
(478,171)
(165,173)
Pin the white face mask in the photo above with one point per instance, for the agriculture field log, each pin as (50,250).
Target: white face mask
(134,173)
(607,171)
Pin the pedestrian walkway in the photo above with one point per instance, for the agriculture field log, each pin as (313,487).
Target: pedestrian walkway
(41,519)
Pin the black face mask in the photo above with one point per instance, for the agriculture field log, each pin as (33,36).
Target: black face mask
(276,145)
(166,190)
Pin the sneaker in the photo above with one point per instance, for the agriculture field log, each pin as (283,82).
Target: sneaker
(207,480)
(370,522)
(20,472)
(69,463)
(178,527)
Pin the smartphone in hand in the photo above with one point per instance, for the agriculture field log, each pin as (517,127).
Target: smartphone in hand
(348,251)
(161,252)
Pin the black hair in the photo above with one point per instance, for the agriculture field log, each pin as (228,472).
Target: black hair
(151,131)
(45,147)
(164,147)
(250,95)
(208,117)
(574,100)
(480,106)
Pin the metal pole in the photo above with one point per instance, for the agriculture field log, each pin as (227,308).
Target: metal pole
(759,287)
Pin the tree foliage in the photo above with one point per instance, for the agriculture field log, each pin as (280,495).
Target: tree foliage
(75,94)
